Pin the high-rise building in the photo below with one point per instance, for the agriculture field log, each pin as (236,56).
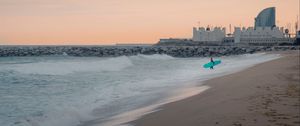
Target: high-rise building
(266,18)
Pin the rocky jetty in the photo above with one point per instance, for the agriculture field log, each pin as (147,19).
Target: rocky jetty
(113,51)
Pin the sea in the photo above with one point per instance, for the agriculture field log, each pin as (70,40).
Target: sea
(63,90)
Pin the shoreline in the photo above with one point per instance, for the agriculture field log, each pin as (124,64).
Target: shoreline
(197,87)
(92,109)
(124,118)
(241,101)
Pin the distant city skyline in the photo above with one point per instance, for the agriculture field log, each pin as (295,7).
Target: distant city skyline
(102,22)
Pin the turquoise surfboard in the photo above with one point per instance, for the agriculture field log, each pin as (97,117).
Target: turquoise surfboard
(208,65)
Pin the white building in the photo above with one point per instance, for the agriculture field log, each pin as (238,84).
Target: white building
(259,35)
(207,35)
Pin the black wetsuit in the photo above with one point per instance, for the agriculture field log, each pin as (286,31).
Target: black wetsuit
(211,60)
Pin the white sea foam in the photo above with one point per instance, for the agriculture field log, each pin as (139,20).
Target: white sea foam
(67,67)
(155,57)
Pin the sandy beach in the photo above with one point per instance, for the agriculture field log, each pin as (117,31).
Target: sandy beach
(267,94)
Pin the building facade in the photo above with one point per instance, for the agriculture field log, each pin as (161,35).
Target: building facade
(201,34)
(260,33)
(264,32)
(266,18)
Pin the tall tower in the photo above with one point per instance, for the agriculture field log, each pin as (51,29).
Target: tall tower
(266,18)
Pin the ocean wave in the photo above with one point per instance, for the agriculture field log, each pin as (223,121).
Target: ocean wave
(68,67)
(155,57)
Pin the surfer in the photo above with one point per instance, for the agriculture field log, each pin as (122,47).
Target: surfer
(211,60)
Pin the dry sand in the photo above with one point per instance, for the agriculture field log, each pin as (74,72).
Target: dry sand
(267,94)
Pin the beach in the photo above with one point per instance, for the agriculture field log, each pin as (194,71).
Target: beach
(93,91)
(98,91)
(263,95)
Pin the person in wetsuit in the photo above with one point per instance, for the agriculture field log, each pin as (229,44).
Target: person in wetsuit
(211,60)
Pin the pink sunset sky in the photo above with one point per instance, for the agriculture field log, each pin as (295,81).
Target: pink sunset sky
(100,22)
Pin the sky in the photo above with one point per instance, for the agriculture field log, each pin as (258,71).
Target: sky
(102,22)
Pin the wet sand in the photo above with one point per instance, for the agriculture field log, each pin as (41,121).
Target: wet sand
(267,94)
